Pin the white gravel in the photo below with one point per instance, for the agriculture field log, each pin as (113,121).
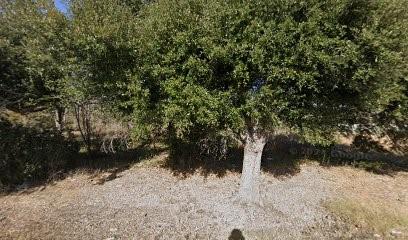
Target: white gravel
(151,203)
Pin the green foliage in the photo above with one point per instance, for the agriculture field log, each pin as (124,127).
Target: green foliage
(135,5)
(390,31)
(102,41)
(233,66)
(198,70)
(32,54)
(31,154)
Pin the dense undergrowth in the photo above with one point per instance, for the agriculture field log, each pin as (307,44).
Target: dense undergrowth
(33,153)
(28,154)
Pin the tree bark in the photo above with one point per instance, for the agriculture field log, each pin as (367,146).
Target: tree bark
(251,169)
(60,118)
(82,116)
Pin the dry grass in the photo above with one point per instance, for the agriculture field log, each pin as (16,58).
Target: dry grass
(370,215)
(155,161)
(374,204)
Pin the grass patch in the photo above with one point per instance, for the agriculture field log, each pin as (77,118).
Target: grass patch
(377,217)
(154,161)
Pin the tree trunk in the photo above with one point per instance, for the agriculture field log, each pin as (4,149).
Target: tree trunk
(60,118)
(82,116)
(251,169)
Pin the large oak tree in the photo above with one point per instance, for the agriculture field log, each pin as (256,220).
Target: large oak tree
(249,68)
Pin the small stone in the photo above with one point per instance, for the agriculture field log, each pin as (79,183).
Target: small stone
(377,236)
(395,233)
(113,229)
(200,211)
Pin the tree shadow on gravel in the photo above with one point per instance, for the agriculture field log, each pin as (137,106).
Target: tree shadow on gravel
(363,153)
(101,167)
(283,156)
(125,159)
(107,167)
(276,160)
(372,159)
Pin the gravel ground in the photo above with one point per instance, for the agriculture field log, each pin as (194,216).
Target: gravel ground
(152,203)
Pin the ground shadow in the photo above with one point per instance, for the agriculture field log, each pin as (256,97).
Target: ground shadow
(363,153)
(107,167)
(189,161)
(236,234)
(276,160)
(283,156)
(101,167)
(125,159)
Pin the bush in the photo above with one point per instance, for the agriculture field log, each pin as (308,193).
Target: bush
(31,154)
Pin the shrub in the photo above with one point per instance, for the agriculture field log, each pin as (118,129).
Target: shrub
(30,154)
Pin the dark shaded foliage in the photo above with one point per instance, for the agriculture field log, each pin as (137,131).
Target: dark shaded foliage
(283,156)
(30,154)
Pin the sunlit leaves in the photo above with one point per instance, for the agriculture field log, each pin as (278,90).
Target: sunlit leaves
(310,65)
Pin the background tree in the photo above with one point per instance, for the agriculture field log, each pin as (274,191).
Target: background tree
(102,43)
(34,53)
(103,36)
(33,38)
(393,119)
(248,68)
(33,49)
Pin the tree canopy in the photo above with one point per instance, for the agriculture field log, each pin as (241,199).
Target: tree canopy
(32,53)
(245,69)
(239,66)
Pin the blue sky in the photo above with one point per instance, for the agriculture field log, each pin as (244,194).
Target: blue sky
(61,5)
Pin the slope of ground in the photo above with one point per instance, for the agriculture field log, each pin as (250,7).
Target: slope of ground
(151,203)
(373,203)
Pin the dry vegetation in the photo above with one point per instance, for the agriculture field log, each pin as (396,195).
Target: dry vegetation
(373,216)
(150,201)
(374,203)
(144,194)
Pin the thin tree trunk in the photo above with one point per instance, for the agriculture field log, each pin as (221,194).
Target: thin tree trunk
(251,169)
(83,122)
(60,118)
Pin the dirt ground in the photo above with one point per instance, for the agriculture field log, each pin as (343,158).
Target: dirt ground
(150,202)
